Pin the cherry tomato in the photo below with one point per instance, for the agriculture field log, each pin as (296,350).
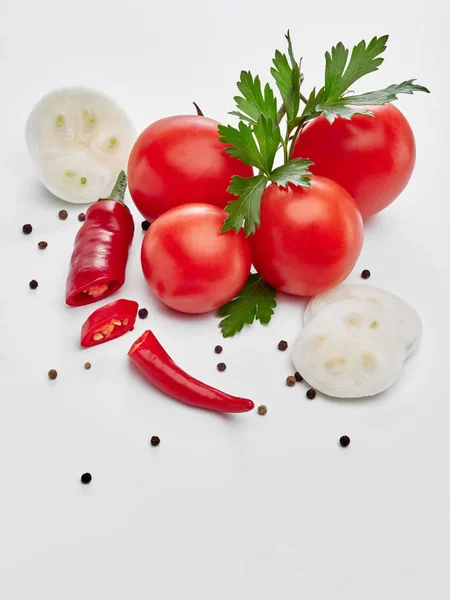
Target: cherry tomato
(179,160)
(309,238)
(189,264)
(371,157)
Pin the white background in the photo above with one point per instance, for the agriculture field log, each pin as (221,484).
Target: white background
(227,506)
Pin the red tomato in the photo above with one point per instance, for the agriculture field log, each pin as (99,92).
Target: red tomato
(371,157)
(309,238)
(189,264)
(179,160)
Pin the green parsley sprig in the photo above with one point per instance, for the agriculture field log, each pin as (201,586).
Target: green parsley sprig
(262,132)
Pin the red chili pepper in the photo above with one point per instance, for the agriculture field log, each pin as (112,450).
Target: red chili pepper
(109,322)
(154,362)
(100,254)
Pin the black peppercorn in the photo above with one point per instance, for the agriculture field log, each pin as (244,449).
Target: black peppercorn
(27,228)
(145,225)
(297,376)
(155,440)
(311,394)
(143,313)
(218,349)
(86,478)
(52,374)
(282,345)
(365,274)
(63,214)
(221,367)
(81,217)
(42,245)
(291,381)
(33,284)
(344,441)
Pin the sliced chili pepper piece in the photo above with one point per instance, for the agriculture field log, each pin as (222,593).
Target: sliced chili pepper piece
(100,254)
(157,366)
(109,322)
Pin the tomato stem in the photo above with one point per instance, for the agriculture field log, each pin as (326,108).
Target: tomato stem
(198,109)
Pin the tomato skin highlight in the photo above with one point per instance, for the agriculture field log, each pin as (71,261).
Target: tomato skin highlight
(189,265)
(179,160)
(371,157)
(309,238)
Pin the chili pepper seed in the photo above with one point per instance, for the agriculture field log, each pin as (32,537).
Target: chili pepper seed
(145,225)
(365,274)
(63,214)
(218,349)
(143,313)
(33,284)
(262,410)
(52,374)
(282,345)
(81,217)
(155,441)
(221,367)
(291,381)
(42,245)
(87,365)
(344,441)
(311,394)
(298,377)
(86,478)
(27,228)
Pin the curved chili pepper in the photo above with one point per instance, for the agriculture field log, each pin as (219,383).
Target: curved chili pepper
(109,322)
(154,362)
(100,254)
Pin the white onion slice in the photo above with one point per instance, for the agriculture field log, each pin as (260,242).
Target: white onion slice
(404,312)
(79,140)
(351,349)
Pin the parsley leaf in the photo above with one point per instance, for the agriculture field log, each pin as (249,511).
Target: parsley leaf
(286,73)
(385,95)
(252,102)
(256,300)
(245,211)
(242,144)
(346,107)
(268,135)
(341,73)
(295,171)
(255,144)
(364,59)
